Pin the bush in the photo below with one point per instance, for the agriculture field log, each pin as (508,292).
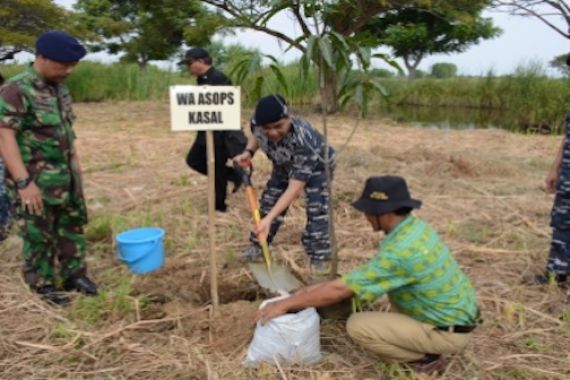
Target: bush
(443,70)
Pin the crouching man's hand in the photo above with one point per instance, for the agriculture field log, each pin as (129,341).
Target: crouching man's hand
(270,311)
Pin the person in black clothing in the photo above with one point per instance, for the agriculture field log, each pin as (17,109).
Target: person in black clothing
(227,143)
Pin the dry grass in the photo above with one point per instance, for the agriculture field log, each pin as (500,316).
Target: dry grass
(481,189)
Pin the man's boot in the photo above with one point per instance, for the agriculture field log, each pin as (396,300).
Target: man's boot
(82,284)
(547,278)
(49,293)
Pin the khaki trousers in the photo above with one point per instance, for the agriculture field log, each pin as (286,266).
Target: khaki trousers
(397,337)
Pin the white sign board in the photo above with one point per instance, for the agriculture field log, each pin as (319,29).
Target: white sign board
(205,108)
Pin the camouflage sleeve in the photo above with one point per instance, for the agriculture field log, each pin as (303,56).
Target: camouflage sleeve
(12,107)
(306,155)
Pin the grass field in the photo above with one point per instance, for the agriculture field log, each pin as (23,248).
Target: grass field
(482,190)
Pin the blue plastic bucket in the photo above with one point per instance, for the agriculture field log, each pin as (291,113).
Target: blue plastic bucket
(142,249)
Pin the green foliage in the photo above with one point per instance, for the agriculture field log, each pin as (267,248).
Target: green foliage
(531,99)
(112,304)
(99,229)
(249,73)
(22,21)
(382,73)
(147,30)
(559,63)
(329,37)
(413,33)
(93,82)
(443,70)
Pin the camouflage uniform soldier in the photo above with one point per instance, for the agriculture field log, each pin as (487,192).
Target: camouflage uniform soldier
(297,152)
(37,143)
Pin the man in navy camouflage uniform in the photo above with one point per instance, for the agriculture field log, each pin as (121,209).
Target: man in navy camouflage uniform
(297,152)
(558,180)
(37,144)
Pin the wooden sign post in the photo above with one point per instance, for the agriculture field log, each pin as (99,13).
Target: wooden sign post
(207,108)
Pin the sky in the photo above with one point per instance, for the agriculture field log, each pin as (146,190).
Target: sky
(524,40)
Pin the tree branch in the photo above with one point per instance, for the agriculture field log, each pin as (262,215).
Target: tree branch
(300,20)
(529,11)
(242,21)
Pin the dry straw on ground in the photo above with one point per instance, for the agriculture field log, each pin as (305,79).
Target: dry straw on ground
(481,189)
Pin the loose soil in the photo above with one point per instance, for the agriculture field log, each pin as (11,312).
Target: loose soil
(481,189)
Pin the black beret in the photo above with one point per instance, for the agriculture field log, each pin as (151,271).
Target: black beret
(60,46)
(269,109)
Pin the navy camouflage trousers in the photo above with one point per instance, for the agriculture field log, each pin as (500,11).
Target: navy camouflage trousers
(559,257)
(315,239)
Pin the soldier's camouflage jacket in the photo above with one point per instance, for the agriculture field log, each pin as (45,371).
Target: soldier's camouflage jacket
(42,117)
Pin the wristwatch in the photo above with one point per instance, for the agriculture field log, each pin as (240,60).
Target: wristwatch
(22,183)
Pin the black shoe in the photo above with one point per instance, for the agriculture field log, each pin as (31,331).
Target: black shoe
(550,278)
(82,284)
(237,185)
(50,294)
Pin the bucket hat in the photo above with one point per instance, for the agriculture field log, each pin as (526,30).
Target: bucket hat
(385,194)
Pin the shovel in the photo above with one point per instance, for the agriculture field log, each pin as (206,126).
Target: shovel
(268,275)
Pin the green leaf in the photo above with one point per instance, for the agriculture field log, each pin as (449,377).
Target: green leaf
(257,87)
(375,82)
(386,58)
(325,49)
(311,44)
(280,77)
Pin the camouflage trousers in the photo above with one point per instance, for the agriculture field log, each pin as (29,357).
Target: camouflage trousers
(559,256)
(56,234)
(315,239)
(5,206)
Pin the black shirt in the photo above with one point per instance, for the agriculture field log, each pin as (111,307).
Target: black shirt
(212,77)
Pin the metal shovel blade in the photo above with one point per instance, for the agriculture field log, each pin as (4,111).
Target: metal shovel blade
(279,278)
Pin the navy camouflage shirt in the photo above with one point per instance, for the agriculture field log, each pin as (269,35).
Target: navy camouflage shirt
(300,153)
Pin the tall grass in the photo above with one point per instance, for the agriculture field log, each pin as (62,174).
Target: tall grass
(95,82)
(527,97)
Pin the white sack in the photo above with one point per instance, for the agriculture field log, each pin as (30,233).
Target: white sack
(291,338)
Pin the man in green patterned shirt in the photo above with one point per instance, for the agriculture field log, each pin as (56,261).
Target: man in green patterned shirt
(434,304)
(44,181)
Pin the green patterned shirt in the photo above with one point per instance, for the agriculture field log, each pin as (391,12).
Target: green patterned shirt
(419,274)
(41,115)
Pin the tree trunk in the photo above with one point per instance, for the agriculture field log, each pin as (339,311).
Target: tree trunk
(412,65)
(330,93)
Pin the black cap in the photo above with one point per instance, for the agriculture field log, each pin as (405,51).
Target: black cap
(60,46)
(385,194)
(269,109)
(195,53)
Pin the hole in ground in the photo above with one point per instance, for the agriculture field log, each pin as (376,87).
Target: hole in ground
(229,293)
